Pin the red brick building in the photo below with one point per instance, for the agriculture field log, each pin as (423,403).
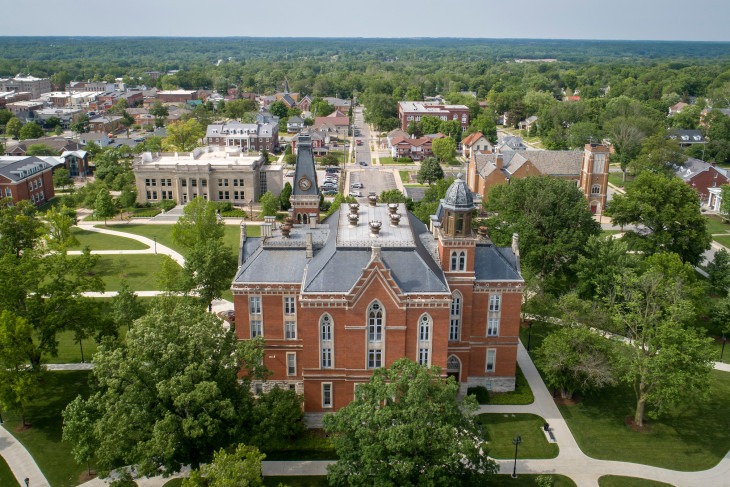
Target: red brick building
(702,176)
(412,111)
(249,137)
(177,96)
(336,299)
(26,178)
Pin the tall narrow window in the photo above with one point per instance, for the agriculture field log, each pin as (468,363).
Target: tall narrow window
(462,261)
(256,329)
(326,328)
(326,343)
(375,358)
(455,318)
(454,260)
(495,301)
(424,329)
(423,356)
(290,330)
(375,323)
(254,305)
(289,305)
(327,395)
(491,357)
(493,327)
(424,339)
(326,358)
(291,364)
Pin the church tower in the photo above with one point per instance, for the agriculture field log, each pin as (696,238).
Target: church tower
(594,176)
(456,238)
(305,195)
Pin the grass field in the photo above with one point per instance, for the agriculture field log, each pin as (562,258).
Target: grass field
(616,178)
(495,481)
(691,436)
(173,483)
(617,481)
(43,440)
(139,270)
(502,428)
(715,225)
(723,240)
(521,395)
(311,445)
(7,479)
(102,241)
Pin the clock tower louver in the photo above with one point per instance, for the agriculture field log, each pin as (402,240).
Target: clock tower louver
(305,195)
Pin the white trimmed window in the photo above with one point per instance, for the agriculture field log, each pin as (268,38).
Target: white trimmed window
(375,358)
(495,302)
(596,189)
(291,364)
(326,343)
(256,328)
(327,395)
(493,327)
(325,325)
(454,261)
(425,325)
(424,329)
(423,356)
(290,307)
(326,358)
(455,318)
(491,358)
(462,260)
(254,305)
(290,330)
(375,323)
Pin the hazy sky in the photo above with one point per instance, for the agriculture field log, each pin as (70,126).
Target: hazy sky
(699,20)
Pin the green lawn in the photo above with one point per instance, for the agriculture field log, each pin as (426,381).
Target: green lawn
(311,445)
(502,428)
(405,176)
(616,178)
(173,483)
(692,436)
(521,395)
(389,160)
(7,479)
(43,440)
(301,481)
(69,351)
(528,481)
(139,270)
(723,240)
(102,241)
(617,481)
(715,225)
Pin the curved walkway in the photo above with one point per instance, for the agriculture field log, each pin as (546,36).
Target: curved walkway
(21,463)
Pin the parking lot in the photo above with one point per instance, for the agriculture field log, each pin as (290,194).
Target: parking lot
(373,180)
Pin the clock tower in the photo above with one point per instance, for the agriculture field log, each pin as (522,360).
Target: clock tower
(305,195)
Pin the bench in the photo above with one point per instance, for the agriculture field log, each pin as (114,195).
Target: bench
(549,433)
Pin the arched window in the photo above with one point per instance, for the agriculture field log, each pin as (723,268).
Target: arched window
(299,218)
(455,317)
(454,260)
(596,189)
(462,261)
(375,322)
(305,218)
(424,328)
(325,326)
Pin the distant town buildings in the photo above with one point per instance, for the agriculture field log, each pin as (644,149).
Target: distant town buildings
(26,178)
(248,137)
(412,111)
(31,84)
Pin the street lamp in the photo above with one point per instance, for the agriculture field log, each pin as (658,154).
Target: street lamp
(155,237)
(529,334)
(250,209)
(516,442)
(724,339)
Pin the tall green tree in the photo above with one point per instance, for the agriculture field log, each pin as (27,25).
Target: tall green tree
(19,380)
(104,206)
(184,136)
(666,359)
(269,204)
(658,154)
(13,127)
(278,109)
(670,212)
(198,223)
(285,195)
(209,268)
(430,171)
(602,261)
(718,271)
(61,178)
(30,131)
(160,112)
(406,428)
(41,150)
(79,431)
(444,149)
(170,393)
(553,222)
(126,306)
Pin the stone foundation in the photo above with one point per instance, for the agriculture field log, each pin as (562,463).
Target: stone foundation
(266,386)
(494,384)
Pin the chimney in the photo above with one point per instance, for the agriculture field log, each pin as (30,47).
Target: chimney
(271,220)
(241,254)
(266,230)
(373,199)
(375,228)
(375,254)
(516,249)
(499,161)
(308,245)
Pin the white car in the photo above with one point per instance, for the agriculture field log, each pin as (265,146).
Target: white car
(290,174)
(355,193)
(357,186)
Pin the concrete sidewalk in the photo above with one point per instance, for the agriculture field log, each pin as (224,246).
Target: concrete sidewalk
(21,463)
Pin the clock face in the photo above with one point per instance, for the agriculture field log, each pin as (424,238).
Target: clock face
(304,183)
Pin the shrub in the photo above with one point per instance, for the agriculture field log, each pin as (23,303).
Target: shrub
(480,392)
(221,206)
(167,205)
(146,213)
(404,159)
(234,213)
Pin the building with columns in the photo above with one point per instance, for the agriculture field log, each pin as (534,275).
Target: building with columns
(337,298)
(247,137)
(209,172)
(588,169)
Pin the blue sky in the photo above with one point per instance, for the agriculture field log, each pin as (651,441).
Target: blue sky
(699,20)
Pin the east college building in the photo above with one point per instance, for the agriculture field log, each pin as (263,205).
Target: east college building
(339,297)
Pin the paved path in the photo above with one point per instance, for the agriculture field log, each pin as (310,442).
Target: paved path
(154,247)
(21,463)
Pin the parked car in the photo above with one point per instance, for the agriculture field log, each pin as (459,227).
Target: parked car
(359,142)
(290,174)
(329,191)
(355,193)
(357,186)
(363,163)
(332,170)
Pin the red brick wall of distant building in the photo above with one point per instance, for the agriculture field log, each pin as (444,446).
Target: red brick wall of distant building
(23,190)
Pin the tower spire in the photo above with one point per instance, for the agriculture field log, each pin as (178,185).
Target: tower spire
(305,194)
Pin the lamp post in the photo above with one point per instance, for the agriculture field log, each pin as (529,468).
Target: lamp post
(155,238)
(250,209)
(529,334)
(722,351)
(516,442)
(27,482)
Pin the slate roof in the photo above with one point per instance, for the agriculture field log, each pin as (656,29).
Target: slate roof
(58,143)
(495,263)
(305,167)
(554,163)
(18,168)
(692,167)
(511,142)
(687,136)
(458,196)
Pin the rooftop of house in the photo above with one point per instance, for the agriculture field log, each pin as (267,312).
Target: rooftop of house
(687,136)
(556,163)
(427,107)
(17,168)
(239,128)
(692,167)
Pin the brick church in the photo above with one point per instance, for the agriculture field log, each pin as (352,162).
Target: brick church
(337,297)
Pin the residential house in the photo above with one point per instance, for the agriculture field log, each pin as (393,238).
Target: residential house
(475,142)
(677,108)
(99,138)
(589,170)
(266,117)
(511,143)
(339,104)
(318,141)
(417,149)
(104,123)
(341,297)
(339,120)
(58,144)
(687,138)
(26,178)
(295,124)
(702,176)
(527,123)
